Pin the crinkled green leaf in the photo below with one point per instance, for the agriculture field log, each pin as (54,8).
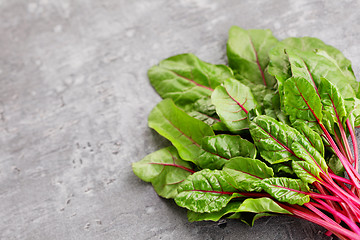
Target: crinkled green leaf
(286,190)
(273,139)
(185,78)
(205,191)
(220,148)
(184,132)
(247,52)
(164,169)
(246,173)
(305,171)
(283,169)
(301,100)
(233,100)
(312,136)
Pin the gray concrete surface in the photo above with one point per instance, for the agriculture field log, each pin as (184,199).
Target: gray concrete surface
(74,100)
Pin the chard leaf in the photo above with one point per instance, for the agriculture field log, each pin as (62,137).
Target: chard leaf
(220,148)
(233,101)
(305,171)
(164,169)
(286,190)
(261,205)
(273,139)
(312,136)
(332,101)
(209,120)
(220,127)
(312,48)
(282,170)
(231,207)
(247,52)
(184,132)
(185,78)
(336,166)
(301,100)
(247,173)
(205,191)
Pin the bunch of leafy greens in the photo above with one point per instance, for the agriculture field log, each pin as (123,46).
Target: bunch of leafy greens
(266,135)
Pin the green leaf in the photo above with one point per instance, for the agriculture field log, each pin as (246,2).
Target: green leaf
(220,148)
(233,100)
(286,190)
(261,205)
(273,139)
(279,65)
(247,52)
(247,173)
(231,207)
(205,191)
(164,169)
(336,166)
(184,132)
(185,78)
(301,100)
(305,171)
(332,101)
(312,136)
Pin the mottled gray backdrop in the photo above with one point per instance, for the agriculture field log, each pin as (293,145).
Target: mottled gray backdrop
(74,100)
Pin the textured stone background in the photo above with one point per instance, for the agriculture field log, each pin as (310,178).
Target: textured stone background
(74,100)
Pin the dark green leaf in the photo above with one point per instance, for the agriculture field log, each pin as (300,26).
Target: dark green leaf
(185,79)
(233,100)
(164,169)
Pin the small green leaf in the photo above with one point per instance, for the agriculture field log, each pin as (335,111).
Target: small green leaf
(220,148)
(286,190)
(233,101)
(205,191)
(164,169)
(185,78)
(247,52)
(184,132)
